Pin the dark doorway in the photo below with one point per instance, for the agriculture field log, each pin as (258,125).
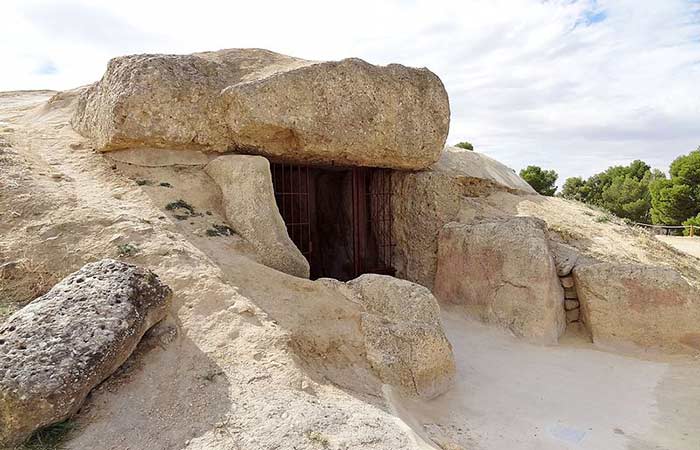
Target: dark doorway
(339,217)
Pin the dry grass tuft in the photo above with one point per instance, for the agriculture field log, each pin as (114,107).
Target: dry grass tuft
(22,281)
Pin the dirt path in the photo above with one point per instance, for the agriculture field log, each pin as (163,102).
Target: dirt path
(687,245)
(513,395)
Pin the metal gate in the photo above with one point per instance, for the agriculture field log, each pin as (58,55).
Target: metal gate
(372,221)
(291,187)
(373,247)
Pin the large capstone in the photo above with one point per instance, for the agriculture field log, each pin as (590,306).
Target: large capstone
(63,344)
(256,101)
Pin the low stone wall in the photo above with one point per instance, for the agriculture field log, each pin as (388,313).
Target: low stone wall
(572,306)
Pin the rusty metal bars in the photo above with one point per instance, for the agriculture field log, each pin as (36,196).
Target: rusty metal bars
(291,188)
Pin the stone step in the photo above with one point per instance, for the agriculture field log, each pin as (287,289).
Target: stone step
(567,282)
(570,304)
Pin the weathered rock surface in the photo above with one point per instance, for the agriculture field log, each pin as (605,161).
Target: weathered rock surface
(404,338)
(465,164)
(565,258)
(160,157)
(60,346)
(503,273)
(652,307)
(425,201)
(251,210)
(257,101)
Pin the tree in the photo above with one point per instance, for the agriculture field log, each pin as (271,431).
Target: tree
(465,145)
(628,197)
(622,190)
(642,194)
(541,181)
(574,189)
(672,202)
(676,200)
(687,168)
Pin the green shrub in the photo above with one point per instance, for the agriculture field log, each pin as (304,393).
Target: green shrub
(127,249)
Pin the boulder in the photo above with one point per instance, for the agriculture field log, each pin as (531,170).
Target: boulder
(425,201)
(404,339)
(251,210)
(63,344)
(256,101)
(651,307)
(565,258)
(503,273)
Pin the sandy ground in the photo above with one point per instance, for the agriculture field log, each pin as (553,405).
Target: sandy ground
(688,245)
(254,359)
(514,395)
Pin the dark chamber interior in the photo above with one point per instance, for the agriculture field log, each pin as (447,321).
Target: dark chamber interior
(339,218)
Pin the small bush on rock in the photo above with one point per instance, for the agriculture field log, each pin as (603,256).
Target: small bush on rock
(127,249)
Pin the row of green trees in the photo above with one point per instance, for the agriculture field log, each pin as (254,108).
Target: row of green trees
(635,192)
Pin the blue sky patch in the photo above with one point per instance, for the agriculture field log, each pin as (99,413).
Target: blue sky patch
(591,17)
(46,68)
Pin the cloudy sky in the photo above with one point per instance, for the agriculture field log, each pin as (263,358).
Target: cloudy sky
(571,85)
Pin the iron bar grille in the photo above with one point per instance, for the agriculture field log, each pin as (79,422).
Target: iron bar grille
(291,187)
(378,250)
(371,214)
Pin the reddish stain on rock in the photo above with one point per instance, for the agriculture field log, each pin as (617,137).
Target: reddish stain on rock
(643,297)
(691,340)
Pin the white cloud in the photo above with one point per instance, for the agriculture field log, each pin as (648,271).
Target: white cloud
(571,85)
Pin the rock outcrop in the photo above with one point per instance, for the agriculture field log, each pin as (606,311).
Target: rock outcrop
(502,272)
(427,200)
(251,210)
(256,101)
(63,344)
(652,307)
(404,338)
(465,165)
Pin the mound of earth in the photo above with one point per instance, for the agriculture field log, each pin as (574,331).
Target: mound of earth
(253,357)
